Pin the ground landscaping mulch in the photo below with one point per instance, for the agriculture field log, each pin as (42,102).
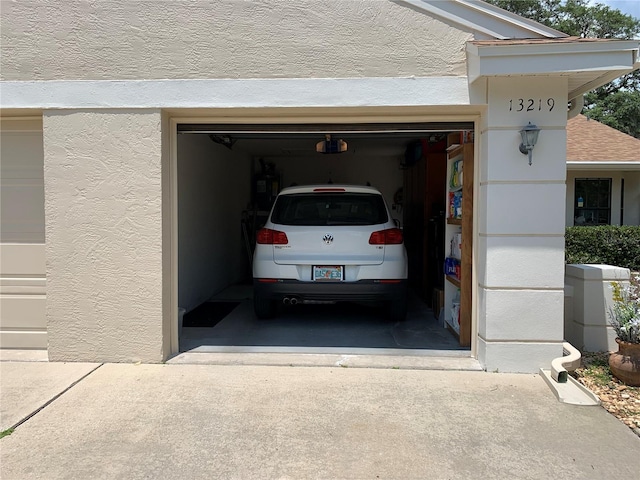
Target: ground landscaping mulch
(622,401)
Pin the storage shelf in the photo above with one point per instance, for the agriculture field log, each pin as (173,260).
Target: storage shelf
(459,290)
(454,150)
(453,280)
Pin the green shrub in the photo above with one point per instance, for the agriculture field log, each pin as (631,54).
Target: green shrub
(607,244)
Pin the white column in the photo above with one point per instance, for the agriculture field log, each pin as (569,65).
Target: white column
(103,205)
(521,221)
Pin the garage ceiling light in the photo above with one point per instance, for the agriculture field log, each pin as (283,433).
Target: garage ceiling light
(329,145)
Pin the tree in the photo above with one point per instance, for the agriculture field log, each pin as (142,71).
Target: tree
(619,110)
(616,104)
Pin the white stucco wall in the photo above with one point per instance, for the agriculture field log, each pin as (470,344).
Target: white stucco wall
(104,248)
(111,66)
(520,243)
(631,194)
(213,190)
(22,259)
(148,39)
(631,198)
(588,327)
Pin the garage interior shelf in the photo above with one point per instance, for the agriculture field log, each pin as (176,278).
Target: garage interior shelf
(458,238)
(453,280)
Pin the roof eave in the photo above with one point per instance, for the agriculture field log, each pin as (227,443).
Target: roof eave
(615,166)
(483,19)
(601,61)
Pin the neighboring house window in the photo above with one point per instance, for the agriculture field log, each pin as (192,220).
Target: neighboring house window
(592,202)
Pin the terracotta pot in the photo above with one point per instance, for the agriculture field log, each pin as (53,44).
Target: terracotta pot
(625,363)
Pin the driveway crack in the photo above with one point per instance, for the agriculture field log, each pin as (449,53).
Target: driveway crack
(53,399)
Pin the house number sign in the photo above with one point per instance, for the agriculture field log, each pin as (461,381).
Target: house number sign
(531,104)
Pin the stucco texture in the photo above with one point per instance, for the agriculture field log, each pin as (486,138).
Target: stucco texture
(104,235)
(148,39)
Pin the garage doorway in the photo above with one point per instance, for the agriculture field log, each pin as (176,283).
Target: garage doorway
(227,177)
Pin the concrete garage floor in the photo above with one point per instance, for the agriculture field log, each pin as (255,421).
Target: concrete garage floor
(343,328)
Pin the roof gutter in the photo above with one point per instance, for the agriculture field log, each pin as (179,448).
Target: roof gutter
(618,166)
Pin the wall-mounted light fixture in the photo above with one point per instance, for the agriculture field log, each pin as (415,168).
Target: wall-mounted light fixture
(529,136)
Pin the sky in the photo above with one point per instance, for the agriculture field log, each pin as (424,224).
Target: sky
(630,7)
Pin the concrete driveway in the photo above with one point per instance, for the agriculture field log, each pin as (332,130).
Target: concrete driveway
(279,422)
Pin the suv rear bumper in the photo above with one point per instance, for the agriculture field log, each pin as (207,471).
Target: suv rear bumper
(360,291)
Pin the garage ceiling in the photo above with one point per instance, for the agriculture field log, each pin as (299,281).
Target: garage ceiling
(300,140)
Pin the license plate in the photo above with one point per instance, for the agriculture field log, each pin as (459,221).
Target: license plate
(323,273)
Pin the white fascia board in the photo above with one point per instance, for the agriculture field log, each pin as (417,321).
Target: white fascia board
(508,18)
(241,93)
(495,49)
(617,57)
(432,10)
(555,64)
(480,17)
(613,166)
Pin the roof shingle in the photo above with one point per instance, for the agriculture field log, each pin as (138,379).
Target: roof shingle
(592,141)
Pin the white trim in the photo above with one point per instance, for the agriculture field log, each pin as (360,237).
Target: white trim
(509,49)
(173,236)
(244,93)
(480,17)
(615,166)
(602,60)
(401,115)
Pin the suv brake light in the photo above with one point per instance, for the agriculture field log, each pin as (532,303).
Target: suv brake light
(391,236)
(266,236)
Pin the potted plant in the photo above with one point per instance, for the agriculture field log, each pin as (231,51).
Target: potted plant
(624,316)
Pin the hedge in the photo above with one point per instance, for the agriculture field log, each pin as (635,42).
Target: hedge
(606,244)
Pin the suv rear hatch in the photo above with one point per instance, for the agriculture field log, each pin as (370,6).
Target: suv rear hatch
(329,228)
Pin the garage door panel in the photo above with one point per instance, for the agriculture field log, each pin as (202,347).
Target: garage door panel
(22,187)
(23,340)
(23,311)
(22,295)
(22,210)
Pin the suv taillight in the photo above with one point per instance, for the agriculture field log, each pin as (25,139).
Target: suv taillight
(391,236)
(267,236)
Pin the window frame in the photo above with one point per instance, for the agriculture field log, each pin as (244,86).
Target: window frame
(592,207)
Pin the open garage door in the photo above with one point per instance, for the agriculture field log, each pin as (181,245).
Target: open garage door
(228,176)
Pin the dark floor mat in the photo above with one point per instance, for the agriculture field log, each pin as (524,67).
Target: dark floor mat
(208,314)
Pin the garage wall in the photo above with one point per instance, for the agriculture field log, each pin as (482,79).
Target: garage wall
(214,185)
(104,227)
(631,194)
(631,198)
(112,39)
(383,171)
(22,250)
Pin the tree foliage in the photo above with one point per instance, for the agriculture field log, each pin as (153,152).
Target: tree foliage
(575,17)
(617,103)
(619,110)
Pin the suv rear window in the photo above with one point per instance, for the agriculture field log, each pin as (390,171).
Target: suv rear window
(318,209)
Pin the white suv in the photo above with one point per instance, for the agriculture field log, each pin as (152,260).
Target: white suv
(329,243)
